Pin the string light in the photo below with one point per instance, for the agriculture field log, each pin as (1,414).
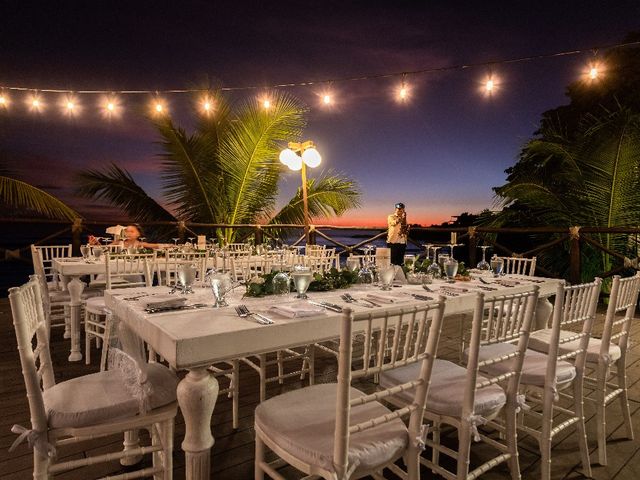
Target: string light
(35,104)
(110,107)
(403,90)
(206,105)
(490,85)
(70,106)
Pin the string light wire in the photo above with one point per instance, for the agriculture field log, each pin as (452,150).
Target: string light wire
(373,76)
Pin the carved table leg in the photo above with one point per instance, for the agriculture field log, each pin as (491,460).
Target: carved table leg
(197,395)
(543,313)
(75,287)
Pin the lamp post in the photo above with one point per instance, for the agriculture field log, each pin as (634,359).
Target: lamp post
(299,156)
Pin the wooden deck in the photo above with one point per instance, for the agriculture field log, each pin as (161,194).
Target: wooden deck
(232,455)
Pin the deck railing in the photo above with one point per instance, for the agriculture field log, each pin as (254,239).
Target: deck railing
(519,242)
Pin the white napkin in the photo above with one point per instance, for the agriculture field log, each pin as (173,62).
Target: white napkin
(297,310)
(159,301)
(382,298)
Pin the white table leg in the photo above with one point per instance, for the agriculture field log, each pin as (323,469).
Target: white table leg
(75,287)
(197,395)
(67,311)
(543,313)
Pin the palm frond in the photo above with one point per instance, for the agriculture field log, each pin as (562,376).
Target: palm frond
(118,187)
(21,195)
(330,195)
(191,173)
(249,154)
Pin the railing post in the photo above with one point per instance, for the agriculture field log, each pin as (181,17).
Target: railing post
(258,235)
(76,236)
(181,231)
(312,235)
(575,273)
(473,247)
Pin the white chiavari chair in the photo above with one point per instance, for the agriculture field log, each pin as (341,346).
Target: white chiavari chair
(565,343)
(519,266)
(172,262)
(242,269)
(466,399)
(128,271)
(80,409)
(337,431)
(607,358)
(47,254)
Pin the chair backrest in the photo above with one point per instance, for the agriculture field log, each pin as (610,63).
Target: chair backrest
(574,310)
(245,268)
(506,318)
(29,323)
(173,261)
(239,247)
(136,269)
(47,254)
(519,265)
(623,298)
(413,334)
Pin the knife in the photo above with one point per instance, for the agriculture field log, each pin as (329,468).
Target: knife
(420,297)
(328,306)
(175,308)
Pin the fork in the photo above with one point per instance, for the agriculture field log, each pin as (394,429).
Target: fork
(244,312)
(349,299)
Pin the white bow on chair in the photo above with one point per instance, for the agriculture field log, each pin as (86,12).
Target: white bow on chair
(36,440)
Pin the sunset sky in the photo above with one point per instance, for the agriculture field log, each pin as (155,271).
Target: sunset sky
(440,153)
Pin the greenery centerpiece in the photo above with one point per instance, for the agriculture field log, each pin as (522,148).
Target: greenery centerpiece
(333,279)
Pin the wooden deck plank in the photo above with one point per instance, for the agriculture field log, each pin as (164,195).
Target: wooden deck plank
(232,455)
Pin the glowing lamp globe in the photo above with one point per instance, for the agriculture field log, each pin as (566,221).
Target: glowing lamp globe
(287,156)
(295,164)
(311,157)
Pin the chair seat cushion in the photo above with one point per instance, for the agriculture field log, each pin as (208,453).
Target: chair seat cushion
(446,391)
(302,422)
(96,305)
(540,339)
(534,369)
(102,397)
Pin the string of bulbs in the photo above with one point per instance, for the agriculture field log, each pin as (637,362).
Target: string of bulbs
(111,105)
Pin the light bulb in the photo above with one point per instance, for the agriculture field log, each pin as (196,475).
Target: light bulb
(3,101)
(295,164)
(70,106)
(158,108)
(326,99)
(489,85)
(266,104)
(111,107)
(403,93)
(287,156)
(593,73)
(311,157)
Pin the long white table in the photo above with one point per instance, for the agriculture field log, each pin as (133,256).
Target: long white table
(70,271)
(195,339)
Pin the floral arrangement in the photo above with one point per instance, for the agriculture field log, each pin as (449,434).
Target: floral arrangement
(333,279)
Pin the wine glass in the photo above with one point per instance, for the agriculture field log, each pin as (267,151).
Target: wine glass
(496,265)
(410,261)
(442,259)
(353,264)
(187,277)
(97,252)
(191,239)
(386,275)
(302,277)
(281,282)
(175,241)
(483,264)
(220,285)
(84,251)
(451,269)
(434,267)
(365,275)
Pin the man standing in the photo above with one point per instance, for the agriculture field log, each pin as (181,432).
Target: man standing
(397,234)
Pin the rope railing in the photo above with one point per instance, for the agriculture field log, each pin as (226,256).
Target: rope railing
(545,238)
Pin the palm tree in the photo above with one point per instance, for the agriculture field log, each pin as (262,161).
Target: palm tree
(21,196)
(591,177)
(226,171)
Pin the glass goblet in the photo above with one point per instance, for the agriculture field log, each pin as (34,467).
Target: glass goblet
(451,269)
(302,278)
(281,283)
(483,264)
(85,250)
(386,275)
(497,266)
(365,275)
(353,264)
